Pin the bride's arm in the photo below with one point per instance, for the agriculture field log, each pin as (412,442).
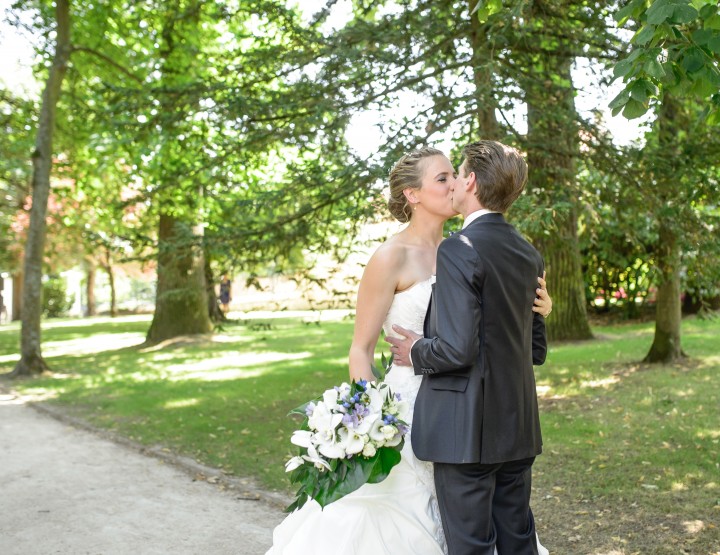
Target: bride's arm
(375,295)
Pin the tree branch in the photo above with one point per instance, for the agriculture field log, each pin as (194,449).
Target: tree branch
(109,60)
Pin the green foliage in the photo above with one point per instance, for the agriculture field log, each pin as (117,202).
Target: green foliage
(381,371)
(676,48)
(17,117)
(55,300)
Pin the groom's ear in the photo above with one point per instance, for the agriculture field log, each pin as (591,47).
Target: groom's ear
(471,184)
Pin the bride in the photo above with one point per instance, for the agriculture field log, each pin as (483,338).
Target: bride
(398,516)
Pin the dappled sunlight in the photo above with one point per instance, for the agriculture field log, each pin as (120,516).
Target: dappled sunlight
(230,366)
(604,383)
(225,338)
(685,392)
(543,390)
(693,526)
(38,394)
(708,434)
(711,485)
(180,403)
(220,375)
(330,315)
(678,486)
(97,343)
(194,340)
(707,361)
(95,320)
(10,399)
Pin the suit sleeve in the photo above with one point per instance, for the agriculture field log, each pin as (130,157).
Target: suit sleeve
(539,335)
(458,314)
(539,340)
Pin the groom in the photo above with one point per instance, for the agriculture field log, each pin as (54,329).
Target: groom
(476,414)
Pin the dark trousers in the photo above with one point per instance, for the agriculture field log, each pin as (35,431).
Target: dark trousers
(484,506)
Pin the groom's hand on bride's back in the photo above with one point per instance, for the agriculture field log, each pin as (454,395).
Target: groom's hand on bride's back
(543,302)
(400,347)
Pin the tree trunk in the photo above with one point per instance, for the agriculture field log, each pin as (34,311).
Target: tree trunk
(31,361)
(216,315)
(666,345)
(113,293)
(483,79)
(565,283)
(181,305)
(552,145)
(17,296)
(90,309)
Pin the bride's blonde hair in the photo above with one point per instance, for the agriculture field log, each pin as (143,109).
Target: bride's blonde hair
(407,174)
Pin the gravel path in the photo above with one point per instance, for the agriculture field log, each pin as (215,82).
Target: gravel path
(71,491)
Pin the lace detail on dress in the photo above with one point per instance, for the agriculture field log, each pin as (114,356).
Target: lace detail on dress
(408,310)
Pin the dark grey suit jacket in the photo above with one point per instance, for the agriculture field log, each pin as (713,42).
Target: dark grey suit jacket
(477,402)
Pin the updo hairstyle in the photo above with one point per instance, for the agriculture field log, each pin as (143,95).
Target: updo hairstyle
(407,174)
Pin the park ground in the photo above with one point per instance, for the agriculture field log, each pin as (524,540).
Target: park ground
(631,462)
(71,489)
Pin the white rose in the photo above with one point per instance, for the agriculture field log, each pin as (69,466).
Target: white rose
(369,450)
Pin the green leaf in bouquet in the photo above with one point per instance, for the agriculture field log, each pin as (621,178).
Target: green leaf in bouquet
(361,471)
(377,372)
(387,457)
(302,409)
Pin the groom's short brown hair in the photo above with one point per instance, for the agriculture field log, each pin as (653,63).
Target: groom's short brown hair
(500,172)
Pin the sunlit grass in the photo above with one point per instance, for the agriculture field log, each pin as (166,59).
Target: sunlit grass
(620,437)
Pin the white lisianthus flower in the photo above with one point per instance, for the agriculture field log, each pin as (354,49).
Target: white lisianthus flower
(366,423)
(316,459)
(324,420)
(331,448)
(351,440)
(294,463)
(376,433)
(330,398)
(301,438)
(369,450)
(375,399)
(402,408)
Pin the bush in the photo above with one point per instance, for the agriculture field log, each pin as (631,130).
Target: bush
(55,301)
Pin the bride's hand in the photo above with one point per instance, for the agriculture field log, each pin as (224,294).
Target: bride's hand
(543,302)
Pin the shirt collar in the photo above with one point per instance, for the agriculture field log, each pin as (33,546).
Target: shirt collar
(470,218)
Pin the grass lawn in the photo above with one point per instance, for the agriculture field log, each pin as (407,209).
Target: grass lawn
(632,452)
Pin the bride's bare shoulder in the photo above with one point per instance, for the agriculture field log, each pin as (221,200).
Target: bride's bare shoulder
(392,253)
(387,263)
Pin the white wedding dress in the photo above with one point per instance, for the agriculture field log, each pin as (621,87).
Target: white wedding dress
(398,516)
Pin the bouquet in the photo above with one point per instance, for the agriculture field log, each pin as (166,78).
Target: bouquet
(351,436)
